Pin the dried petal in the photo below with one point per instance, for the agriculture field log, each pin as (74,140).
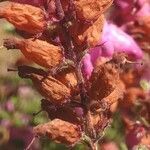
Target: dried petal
(52,89)
(68,77)
(103,81)
(90,10)
(24,17)
(40,52)
(88,34)
(60,131)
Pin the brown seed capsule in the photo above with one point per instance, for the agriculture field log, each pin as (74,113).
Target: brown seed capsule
(88,34)
(60,131)
(24,17)
(38,51)
(103,81)
(49,87)
(90,10)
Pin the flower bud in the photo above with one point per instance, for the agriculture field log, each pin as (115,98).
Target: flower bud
(60,131)
(38,51)
(24,17)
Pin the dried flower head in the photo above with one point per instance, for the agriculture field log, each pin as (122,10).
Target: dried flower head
(60,131)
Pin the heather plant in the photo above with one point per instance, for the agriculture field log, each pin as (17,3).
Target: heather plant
(81,70)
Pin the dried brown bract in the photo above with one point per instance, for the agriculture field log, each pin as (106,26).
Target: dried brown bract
(90,10)
(49,87)
(38,51)
(24,17)
(68,77)
(103,81)
(87,34)
(60,131)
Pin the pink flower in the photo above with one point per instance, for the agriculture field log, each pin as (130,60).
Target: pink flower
(113,40)
(122,42)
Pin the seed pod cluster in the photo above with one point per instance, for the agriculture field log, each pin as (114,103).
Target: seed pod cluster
(59,131)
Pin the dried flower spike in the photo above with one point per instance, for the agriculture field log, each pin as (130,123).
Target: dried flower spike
(38,51)
(60,131)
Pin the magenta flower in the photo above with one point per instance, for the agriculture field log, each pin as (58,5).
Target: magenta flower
(122,42)
(113,40)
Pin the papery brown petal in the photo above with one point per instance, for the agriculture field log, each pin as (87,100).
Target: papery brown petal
(68,77)
(60,131)
(90,10)
(52,89)
(87,34)
(103,81)
(44,54)
(24,17)
(49,87)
